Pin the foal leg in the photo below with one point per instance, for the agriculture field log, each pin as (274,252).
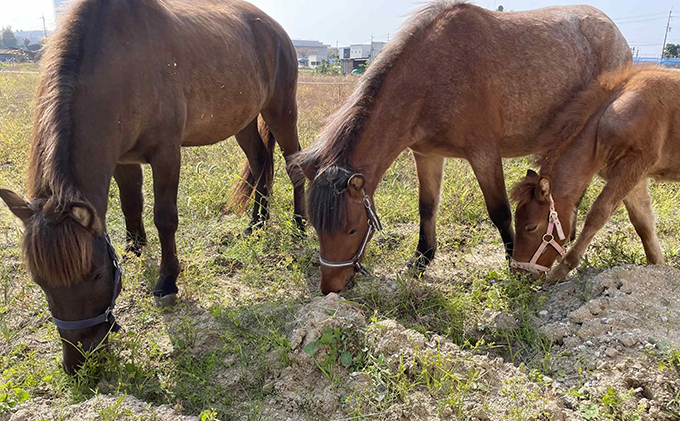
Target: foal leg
(130,180)
(623,178)
(258,159)
(488,168)
(639,207)
(166,167)
(282,121)
(430,170)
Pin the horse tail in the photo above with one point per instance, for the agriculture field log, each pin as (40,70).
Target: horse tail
(244,189)
(574,118)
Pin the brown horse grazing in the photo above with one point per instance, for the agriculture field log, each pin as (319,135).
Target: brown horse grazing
(459,81)
(626,128)
(126,82)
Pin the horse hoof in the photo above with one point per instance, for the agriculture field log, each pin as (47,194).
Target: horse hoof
(165,301)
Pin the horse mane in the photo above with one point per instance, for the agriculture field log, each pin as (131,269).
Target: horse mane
(570,122)
(329,155)
(523,191)
(57,248)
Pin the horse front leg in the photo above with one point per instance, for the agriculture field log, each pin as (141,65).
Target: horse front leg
(166,167)
(488,168)
(622,179)
(130,181)
(430,170)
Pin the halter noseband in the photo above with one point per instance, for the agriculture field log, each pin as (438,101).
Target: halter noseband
(105,317)
(548,239)
(373,225)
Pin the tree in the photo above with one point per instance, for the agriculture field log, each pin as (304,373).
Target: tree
(27,42)
(8,38)
(500,8)
(671,51)
(332,53)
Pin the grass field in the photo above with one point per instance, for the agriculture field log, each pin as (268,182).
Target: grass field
(238,297)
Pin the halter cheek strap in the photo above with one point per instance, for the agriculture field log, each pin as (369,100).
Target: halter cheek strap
(105,317)
(373,225)
(548,240)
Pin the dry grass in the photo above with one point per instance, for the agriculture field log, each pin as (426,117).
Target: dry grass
(238,297)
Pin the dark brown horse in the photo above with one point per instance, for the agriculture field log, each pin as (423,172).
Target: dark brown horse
(625,127)
(129,82)
(459,81)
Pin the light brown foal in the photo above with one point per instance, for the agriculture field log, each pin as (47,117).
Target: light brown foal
(626,128)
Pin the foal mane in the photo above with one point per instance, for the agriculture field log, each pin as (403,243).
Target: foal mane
(57,248)
(571,121)
(329,155)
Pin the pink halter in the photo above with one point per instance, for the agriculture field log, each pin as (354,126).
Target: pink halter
(548,239)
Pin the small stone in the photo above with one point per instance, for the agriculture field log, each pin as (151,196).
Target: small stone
(628,340)
(580,315)
(626,286)
(543,313)
(591,329)
(611,352)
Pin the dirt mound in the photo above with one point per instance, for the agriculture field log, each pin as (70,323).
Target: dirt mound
(99,408)
(610,330)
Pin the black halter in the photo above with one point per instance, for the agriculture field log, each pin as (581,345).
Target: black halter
(107,316)
(373,225)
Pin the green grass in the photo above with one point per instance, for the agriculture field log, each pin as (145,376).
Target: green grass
(239,297)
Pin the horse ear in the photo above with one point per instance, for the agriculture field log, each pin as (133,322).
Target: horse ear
(531,174)
(17,205)
(543,189)
(86,217)
(355,184)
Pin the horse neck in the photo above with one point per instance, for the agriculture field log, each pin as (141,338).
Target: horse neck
(573,170)
(386,135)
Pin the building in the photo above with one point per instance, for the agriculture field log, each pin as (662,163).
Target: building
(357,55)
(310,54)
(33,36)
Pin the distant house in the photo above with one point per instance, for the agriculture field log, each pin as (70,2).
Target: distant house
(33,36)
(310,54)
(356,55)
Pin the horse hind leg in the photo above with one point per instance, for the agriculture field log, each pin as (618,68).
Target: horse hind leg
(259,153)
(281,118)
(430,171)
(130,180)
(639,207)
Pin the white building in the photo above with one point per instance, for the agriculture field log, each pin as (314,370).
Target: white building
(357,55)
(310,54)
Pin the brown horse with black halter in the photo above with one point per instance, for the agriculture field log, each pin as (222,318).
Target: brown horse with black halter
(626,128)
(128,82)
(459,81)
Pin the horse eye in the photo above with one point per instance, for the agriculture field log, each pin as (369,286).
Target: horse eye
(352,232)
(98,276)
(531,228)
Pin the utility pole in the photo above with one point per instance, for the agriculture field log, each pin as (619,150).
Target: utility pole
(668,28)
(44,26)
(388,37)
(370,55)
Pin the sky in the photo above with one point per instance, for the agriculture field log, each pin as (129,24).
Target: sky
(344,22)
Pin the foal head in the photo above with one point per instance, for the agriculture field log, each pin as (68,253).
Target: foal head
(338,213)
(533,219)
(68,256)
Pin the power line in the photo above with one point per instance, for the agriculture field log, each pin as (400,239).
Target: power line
(640,21)
(662,14)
